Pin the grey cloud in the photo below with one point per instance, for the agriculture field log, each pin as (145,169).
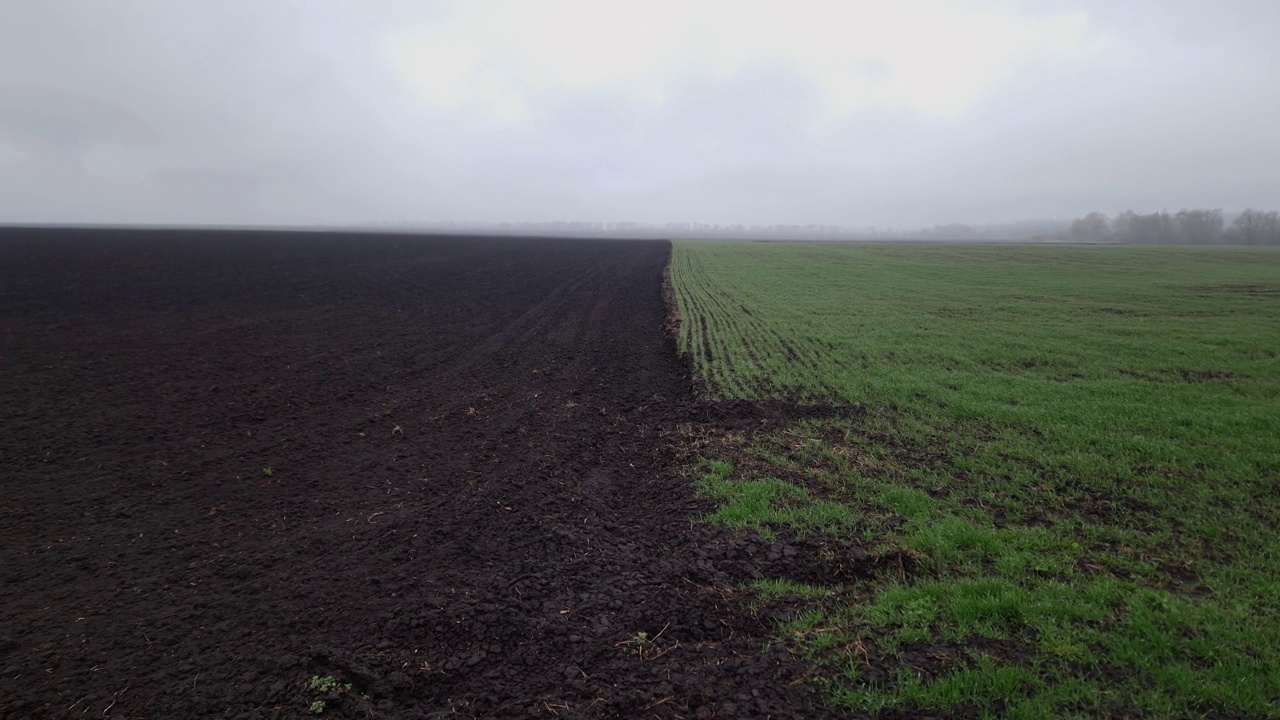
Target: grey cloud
(35,116)
(246,112)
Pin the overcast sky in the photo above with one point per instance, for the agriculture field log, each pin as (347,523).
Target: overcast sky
(903,113)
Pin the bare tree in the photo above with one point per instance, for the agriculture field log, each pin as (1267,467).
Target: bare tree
(1255,227)
(1270,228)
(1200,227)
(1092,227)
(1150,229)
(1189,226)
(1122,226)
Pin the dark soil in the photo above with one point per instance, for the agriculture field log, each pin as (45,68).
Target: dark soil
(438,470)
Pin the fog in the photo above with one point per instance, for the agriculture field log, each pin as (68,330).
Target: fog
(832,112)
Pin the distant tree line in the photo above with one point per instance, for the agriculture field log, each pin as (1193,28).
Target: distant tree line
(1186,227)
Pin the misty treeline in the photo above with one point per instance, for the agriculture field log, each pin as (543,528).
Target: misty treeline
(1185,227)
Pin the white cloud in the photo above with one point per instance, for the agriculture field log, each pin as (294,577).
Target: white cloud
(496,58)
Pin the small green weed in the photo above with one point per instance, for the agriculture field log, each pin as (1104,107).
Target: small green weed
(648,648)
(326,685)
(323,684)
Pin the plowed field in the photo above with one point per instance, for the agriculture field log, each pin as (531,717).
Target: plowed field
(436,470)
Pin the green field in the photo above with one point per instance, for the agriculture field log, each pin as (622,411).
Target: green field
(1078,446)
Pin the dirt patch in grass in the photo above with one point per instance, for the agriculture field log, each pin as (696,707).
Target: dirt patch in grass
(936,658)
(1182,375)
(769,414)
(816,559)
(775,440)
(1241,290)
